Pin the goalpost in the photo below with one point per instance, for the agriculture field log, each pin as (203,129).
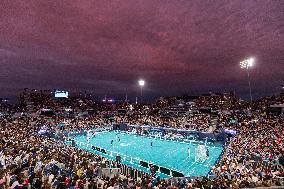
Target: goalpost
(201,153)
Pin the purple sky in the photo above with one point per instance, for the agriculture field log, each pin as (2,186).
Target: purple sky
(177,46)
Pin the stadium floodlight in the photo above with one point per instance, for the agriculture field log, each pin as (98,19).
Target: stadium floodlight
(246,64)
(141,83)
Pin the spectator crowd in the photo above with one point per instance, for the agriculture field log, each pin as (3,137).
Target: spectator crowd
(254,157)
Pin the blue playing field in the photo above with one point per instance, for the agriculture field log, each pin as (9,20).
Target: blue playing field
(165,153)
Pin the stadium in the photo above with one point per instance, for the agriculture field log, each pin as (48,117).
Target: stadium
(141,94)
(179,142)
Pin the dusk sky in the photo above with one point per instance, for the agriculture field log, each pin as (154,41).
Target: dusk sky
(178,47)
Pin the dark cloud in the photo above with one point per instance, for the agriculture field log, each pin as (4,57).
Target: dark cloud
(106,46)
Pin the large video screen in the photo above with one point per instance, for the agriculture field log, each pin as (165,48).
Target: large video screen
(61,94)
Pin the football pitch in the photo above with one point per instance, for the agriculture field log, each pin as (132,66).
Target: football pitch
(133,149)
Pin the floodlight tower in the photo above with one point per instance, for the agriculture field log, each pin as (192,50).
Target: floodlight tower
(246,64)
(141,83)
